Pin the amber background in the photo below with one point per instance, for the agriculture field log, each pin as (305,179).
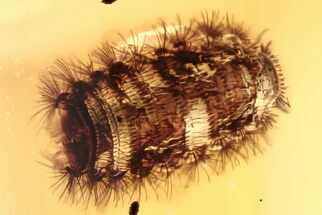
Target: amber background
(288,177)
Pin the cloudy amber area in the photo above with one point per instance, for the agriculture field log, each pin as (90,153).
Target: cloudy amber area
(286,179)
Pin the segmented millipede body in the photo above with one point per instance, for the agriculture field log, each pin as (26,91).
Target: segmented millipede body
(152,106)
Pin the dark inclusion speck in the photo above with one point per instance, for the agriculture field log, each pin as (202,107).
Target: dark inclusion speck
(134,208)
(108,1)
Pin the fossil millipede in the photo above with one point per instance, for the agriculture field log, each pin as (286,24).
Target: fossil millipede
(181,98)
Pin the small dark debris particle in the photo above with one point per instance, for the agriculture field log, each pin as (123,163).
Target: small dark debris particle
(260,200)
(108,1)
(134,208)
